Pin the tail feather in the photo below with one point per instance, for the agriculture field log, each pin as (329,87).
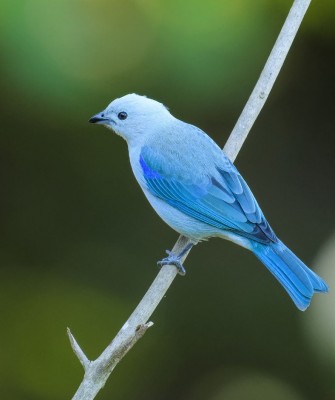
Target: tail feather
(297,279)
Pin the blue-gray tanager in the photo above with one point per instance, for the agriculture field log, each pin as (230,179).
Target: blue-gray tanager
(196,190)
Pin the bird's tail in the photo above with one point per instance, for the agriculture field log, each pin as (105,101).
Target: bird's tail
(297,279)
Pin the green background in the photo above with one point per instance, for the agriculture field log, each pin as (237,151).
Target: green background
(79,242)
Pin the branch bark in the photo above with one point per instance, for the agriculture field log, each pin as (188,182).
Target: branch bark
(98,371)
(267,78)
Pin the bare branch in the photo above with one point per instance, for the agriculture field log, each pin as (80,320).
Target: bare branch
(98,371)
(78,351)
(267,78)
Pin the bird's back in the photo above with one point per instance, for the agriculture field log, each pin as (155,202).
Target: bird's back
(185,152)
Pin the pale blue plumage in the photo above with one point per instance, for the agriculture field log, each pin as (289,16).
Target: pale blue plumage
(223,201)
(194,187)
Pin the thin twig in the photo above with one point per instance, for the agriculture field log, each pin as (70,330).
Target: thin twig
(267,78)
(77,350)
(98,371)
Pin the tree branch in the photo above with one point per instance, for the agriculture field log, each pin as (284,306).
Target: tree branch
(267,78)
(98,371)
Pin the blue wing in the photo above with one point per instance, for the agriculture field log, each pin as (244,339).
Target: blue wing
(222,200)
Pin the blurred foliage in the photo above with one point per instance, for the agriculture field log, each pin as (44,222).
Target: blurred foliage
(76,251)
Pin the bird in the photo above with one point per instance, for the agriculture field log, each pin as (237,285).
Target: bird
(198,191)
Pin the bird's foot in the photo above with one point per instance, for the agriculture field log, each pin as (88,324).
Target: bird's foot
(173,259)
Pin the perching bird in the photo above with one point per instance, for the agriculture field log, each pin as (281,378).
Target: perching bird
(196,190)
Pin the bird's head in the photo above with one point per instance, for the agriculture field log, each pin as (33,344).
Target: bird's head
(132,116)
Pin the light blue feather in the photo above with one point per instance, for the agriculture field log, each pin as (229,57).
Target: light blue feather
(297,279)
(226,202)
(195,188)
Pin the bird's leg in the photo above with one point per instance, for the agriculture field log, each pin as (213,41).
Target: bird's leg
(175,259)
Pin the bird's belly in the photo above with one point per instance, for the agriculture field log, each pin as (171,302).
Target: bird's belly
(180,222)
(190,227)
(177,220)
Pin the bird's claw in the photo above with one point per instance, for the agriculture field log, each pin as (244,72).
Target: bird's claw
(172,259)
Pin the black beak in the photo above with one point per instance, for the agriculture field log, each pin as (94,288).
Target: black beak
(98,119)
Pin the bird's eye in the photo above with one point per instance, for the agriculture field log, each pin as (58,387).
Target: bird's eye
(122,115)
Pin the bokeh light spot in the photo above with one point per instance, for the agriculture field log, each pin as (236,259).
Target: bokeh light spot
(319,322)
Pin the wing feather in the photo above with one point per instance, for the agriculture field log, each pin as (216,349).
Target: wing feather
(223,201)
